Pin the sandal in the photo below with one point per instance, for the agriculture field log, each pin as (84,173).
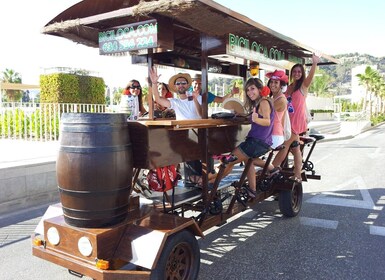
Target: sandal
(275,171)
(295,179)
(251,193)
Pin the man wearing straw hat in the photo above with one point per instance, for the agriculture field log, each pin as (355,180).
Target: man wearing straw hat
(185,107)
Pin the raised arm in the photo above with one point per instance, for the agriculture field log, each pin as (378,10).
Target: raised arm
(221,99)
(310,76)
(155,93)
(198,106)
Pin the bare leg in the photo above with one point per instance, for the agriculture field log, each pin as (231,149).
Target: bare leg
(281,155)
(229,167)
(297,162)
(261,163)
(251,178)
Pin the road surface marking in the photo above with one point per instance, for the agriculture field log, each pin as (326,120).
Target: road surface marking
(376,154)
(322,223)
(356,183)
(376,230)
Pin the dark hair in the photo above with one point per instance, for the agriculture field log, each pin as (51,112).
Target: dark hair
(164,85)
(298,83)
(249,104)
(140,95)
(281,83)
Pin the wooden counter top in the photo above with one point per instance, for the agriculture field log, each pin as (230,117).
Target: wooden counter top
(191,124)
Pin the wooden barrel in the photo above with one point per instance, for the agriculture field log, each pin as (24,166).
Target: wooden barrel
(94,169)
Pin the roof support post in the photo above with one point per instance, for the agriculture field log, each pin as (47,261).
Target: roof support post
(203,133)
(150,102)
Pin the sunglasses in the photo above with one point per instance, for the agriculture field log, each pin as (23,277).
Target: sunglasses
(290,107)
(181,83)
(135,87)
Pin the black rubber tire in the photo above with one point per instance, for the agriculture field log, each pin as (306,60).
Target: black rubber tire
(290,202)
(180,258)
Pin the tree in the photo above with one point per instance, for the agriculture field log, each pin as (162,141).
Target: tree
(10,76)
(365,80)
(321,83)
(374,84)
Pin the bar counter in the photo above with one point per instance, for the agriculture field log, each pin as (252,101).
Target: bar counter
(157,143)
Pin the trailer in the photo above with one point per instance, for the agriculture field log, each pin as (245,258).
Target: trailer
(102,228)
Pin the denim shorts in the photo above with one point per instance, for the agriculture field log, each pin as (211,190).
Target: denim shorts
(253,147)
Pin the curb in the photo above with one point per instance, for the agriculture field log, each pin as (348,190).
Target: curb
(350,136)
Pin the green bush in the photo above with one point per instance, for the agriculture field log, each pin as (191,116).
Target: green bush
(71,88)
(15,124)
(377,119)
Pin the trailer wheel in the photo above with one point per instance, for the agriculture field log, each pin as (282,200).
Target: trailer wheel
(290,202)
(180,258)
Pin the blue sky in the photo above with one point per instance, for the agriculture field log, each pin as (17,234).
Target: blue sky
(331,26)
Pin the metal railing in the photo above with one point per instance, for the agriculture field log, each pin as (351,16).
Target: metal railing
(38,121)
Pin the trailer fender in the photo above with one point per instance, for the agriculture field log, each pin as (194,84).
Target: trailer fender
(143,241)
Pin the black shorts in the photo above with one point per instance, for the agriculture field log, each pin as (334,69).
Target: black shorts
(253,147)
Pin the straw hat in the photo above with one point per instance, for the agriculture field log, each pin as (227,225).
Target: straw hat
(171,82)
(234,105)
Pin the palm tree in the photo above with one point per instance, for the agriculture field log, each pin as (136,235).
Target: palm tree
(381,94)
(377,82)
(10,76)
(366,80)
(321,83)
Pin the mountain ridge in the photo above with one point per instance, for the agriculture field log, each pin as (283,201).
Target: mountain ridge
(342,73)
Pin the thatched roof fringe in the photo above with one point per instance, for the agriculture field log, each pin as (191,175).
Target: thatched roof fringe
(61,26)
(161,6)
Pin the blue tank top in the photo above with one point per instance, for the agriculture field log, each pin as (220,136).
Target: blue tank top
(262,132)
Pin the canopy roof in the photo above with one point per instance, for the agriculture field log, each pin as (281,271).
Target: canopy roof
(14,86)
(181,22)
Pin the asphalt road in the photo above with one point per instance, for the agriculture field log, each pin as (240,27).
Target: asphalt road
(339,233)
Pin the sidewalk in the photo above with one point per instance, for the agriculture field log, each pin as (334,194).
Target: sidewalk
(347,129)
(21,152)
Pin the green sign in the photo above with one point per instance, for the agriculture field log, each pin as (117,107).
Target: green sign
(141,35)
(242,47)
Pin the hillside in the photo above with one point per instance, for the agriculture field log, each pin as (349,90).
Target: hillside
(342,74)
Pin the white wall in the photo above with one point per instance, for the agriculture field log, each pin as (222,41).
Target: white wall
(319,103)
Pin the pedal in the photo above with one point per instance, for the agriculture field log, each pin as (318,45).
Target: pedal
(242,196)
(264,185)
(216,207)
